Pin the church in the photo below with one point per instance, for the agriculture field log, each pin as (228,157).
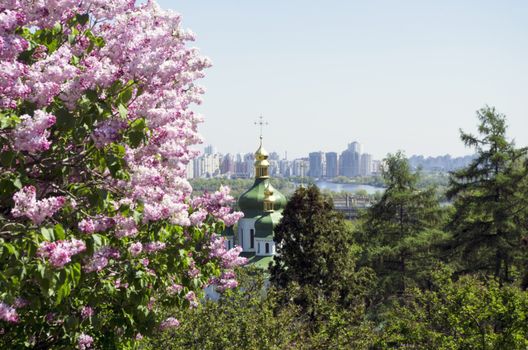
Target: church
(262,206)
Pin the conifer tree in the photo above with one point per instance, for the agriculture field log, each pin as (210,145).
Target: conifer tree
(315,249)
(490,217)
(399,231)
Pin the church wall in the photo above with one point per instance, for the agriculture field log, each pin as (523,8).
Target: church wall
(244,231)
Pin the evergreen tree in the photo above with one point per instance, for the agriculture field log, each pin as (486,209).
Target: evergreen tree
(490,216)
(399,231)
(316,252)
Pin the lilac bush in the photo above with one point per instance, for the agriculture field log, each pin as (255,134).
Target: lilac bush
(99,230)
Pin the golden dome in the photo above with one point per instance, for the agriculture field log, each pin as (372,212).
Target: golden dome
(261,153)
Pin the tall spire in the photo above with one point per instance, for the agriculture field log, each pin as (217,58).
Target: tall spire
(261,156)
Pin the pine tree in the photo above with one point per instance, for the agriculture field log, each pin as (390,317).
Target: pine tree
(399,231)
(316,251)
(490,215)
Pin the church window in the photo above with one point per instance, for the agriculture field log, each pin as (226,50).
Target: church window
(267,248)
(258,248)
(251,238)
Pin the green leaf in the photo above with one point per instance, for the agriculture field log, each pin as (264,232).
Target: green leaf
(122,111)
(47,234)
(6,158)
(59,232)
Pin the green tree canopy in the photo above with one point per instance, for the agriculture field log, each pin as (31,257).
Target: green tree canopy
(315,249)
(490,203)
(399,231)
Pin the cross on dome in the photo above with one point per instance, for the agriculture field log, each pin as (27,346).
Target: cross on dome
(261,124)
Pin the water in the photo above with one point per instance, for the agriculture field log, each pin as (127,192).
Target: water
(335,187)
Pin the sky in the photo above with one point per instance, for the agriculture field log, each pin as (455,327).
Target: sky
(393,75)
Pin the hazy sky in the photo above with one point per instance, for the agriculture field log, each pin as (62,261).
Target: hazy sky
(393,75)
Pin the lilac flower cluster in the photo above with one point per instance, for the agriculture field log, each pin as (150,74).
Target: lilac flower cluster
(192,299)
(108,132)
(87,312)
(8,313)
(84,342)
(31,134)
(100,259)
(229,259)
(26,204)
(217,204)
(170,322)
(59,253)
(98,224)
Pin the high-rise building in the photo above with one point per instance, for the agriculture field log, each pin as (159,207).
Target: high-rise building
(228,164)
(350,164)
(366,164)
(316,164)
(209,149)
(355,147)
(332,166)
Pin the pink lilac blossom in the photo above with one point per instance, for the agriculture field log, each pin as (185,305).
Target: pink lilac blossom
(217,204)
(26,204)
(108,131)
(174,288)
(125,227)
(226,281)
(152,247)
(8,313)
(191,298)
(198,217)
(87,312)
(170,322)
(84,342)
(32,133)
(98,224)
(101,258)
(193,271)
(228,258)
(135,248)
(59,253)
(20,303)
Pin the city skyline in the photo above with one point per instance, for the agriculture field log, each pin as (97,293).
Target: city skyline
(398,76)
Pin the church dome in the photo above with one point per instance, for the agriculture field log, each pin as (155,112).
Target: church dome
(251,203)
(261,198)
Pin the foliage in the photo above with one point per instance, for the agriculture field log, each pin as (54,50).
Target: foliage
(464,314)
(251,317)
(490,201)
(315,250)
(398,232)
(98,229)
(242,318)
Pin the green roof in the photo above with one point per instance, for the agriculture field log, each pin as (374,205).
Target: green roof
(251,202)
(262,262)
(265,224)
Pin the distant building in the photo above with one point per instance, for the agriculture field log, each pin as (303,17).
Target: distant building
(366,164)
(332,165)
(355,147)
(209,150)
(350,163)
(228,164)
(316,164)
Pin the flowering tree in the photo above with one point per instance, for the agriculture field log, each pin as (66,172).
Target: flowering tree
(98,229)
